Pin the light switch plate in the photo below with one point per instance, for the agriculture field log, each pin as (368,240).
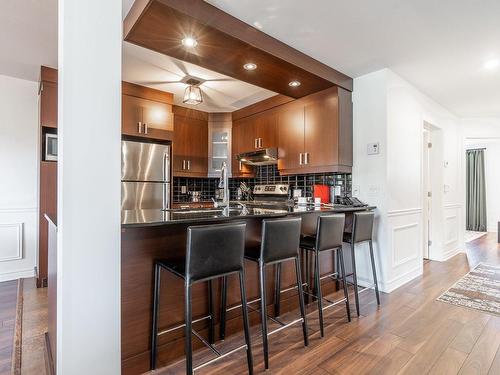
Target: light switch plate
(373,148)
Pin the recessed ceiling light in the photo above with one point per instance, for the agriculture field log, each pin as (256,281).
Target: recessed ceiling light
(257,25)
(492,64)
(250,66)
(294,84)
(189,42)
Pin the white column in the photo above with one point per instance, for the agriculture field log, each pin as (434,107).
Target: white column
(88,305)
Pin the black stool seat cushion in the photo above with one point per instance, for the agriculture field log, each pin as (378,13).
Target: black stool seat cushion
(253,252)
(308,242)
(347,237)
(176,266)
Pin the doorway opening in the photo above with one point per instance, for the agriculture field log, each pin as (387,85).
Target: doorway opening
(432,179)
(426,191)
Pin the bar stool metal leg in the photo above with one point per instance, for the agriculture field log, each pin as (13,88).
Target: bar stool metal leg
(211,328)
(188,328)
(222,328)
(340,255)
(298,273)
(354,277)
(263,312)
(246,324)
(307,275)
(374,272)
(277,291)
(156,301)
(319,295)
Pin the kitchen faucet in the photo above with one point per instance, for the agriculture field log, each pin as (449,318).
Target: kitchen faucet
(223,184)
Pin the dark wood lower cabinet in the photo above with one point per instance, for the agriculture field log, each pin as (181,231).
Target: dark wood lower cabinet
(140,246)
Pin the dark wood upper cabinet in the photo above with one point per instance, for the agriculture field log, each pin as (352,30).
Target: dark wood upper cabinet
(321,130)
(146,118)
(239,144)
(146,112)
(315,133)
(291,136)
(48,104)
(190,143)
(266,129)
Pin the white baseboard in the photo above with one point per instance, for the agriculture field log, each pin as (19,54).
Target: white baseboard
(17,274)
(400,280)
(448,255)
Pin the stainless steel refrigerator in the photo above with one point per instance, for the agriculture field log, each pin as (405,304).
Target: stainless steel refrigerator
(145,175)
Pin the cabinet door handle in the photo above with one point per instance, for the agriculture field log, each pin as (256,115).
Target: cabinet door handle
(260,142)
(300,158)
(139,127)
(145,128)
(256,143)
(183,165)
(189,164)
(241,165)
(306,158)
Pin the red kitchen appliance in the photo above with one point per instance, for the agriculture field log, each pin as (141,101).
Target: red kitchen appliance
(322,192)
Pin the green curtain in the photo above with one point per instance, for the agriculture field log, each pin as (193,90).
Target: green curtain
(476,191)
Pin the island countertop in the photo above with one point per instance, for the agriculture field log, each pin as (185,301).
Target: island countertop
(154,217)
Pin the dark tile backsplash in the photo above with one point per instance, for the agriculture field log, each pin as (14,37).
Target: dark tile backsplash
(264,175)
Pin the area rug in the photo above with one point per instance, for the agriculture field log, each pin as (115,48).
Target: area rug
(478,290)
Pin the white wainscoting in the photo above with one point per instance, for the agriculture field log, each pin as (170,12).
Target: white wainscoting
(404,239)
(451,229)
(11,237)
(18,242)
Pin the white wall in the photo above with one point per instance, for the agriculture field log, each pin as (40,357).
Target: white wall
(88,187)
(18,177)
(479,133)
(390,111)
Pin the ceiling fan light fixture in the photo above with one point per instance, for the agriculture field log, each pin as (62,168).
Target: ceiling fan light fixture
(193,95)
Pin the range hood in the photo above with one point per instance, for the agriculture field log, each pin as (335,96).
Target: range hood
(266,156)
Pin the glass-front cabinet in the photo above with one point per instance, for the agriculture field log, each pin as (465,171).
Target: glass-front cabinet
(219,142)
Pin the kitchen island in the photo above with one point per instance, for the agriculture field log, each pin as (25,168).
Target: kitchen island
(152,234)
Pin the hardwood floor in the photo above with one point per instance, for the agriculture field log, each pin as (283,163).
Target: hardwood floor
(410,333)
(8,299)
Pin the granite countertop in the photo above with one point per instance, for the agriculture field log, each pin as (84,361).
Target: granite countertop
(152,217)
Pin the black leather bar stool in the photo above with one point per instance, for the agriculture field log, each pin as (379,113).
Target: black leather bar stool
(329,233)
(279,243)
(212,251)
(362,231)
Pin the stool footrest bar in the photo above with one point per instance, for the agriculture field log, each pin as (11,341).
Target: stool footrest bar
(182,325)
(284,326)
(219,357)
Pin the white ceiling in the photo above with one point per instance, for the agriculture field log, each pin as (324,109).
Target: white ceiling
(440,46)
(28,37)
(220,93)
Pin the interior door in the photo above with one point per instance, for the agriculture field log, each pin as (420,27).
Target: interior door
(321,130)
(291,136)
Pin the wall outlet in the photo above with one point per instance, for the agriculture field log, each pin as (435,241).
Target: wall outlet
(373,148)
(184,189)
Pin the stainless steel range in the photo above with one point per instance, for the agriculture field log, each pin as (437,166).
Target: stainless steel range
(272,196)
